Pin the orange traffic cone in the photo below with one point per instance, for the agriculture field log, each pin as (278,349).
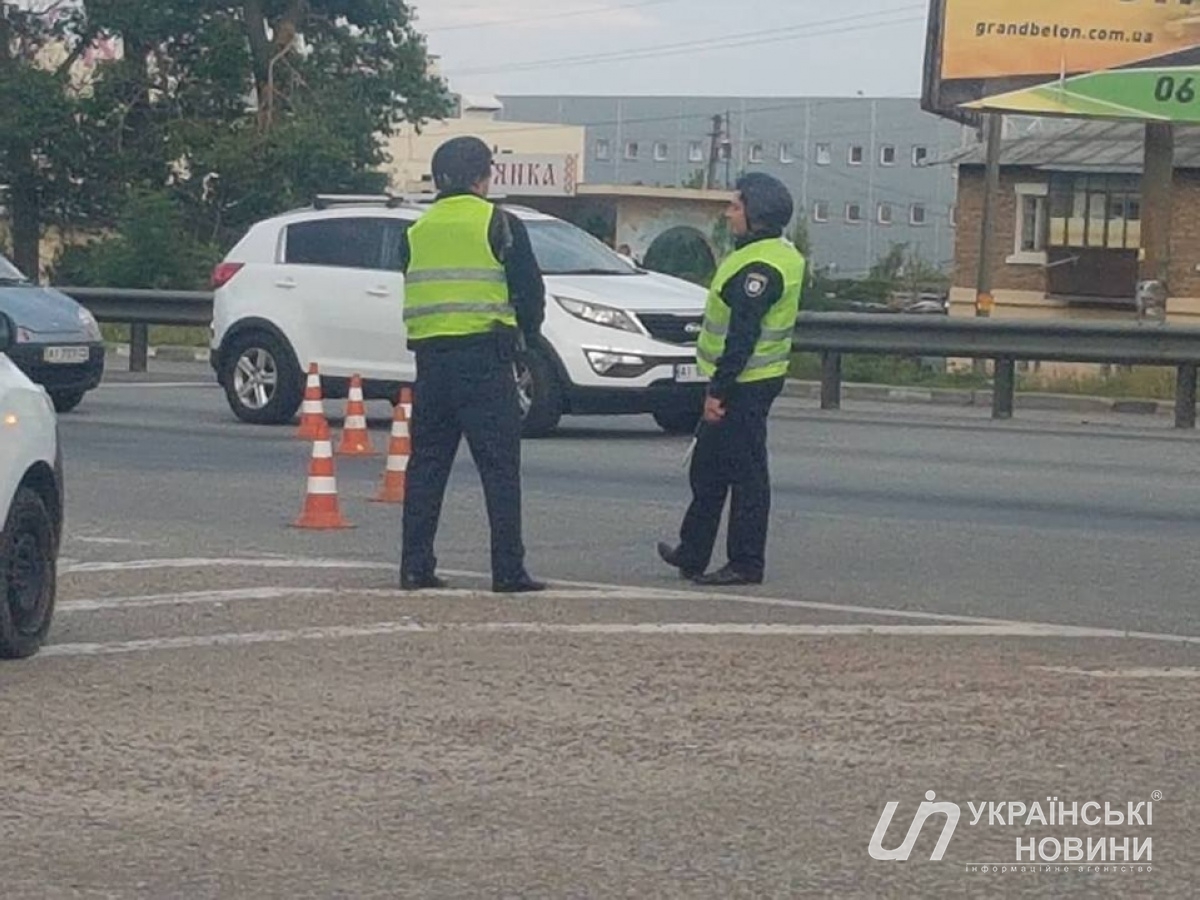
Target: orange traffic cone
(321,511)
(356,440)
(406,400)
(399,449)
(312,411)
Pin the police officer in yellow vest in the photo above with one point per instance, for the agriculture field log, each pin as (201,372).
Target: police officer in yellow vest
(472,290)
(745,349)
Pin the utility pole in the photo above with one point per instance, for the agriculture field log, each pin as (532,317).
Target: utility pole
(728,145)
(1157,179)
(983,285)
(714,137)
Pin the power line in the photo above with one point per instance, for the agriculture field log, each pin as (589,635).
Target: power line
(569,14)
(743,39)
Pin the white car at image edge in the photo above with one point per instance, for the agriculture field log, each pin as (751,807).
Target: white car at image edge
(322,285)
(31,506)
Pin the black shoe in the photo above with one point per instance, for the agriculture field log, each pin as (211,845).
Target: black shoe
(421,583)
(670,555)
(523,585)
(727,577)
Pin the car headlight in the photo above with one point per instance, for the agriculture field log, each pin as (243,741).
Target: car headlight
(599,315)
(90,326)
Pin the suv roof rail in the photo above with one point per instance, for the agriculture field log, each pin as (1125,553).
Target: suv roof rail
(391,201)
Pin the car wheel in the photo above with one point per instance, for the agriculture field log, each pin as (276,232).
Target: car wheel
(262,379)
(539,394)
(28,580)
(678,421)
(65,401)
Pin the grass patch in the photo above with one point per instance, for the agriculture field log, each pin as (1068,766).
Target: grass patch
(1137,382)
(160,335)
(1143,382)
(890,370)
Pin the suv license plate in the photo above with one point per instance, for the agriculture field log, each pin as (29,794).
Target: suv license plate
(65,355)
(689,374)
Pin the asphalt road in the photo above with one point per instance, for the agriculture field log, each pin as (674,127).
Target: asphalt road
(230,707)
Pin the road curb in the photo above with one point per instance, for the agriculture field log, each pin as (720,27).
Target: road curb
(166,352)
(882,393)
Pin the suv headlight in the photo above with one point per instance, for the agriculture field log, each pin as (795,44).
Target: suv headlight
(606,316)
(90,326)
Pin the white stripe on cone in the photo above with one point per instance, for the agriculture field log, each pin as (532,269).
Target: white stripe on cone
(312,406)
(318,484)
(356,393)
(397,464)
(322,450)
(399,429)
(407,411)
(357,422)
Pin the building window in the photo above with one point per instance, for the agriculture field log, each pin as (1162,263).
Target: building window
(1029,233)
(854,212)
(920,155)
(756,153)
(1095,211)
(785,153)
(631,149)
(603,149)
(695,152)
(855,157)
(887,155)
(821,211)
(661,151)
(917,214)
(884,214)
(824,154)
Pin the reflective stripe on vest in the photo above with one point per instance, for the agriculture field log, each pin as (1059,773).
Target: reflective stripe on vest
(772,353)
(454,285)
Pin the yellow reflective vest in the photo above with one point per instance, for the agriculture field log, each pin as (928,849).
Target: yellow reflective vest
(455,286)
(773,352)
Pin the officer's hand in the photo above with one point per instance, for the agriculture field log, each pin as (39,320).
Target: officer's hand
(714,410)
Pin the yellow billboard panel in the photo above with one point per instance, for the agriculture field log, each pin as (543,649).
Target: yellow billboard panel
(1016,38)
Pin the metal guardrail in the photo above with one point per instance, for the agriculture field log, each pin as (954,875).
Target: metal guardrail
(142,308)
(1005,341)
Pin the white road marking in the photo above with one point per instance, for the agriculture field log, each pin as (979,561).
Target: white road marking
(627,592)
(158,385)
(216,597)
(110,540)
(1164,672)
(381,629)
(188,598)
(143,565)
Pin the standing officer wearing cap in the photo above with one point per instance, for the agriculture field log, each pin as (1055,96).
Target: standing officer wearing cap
(745,349)
(472,291)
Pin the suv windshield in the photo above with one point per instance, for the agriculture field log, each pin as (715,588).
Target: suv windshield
(563,249)
(10,273)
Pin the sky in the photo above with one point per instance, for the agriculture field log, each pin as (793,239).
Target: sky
(758,48)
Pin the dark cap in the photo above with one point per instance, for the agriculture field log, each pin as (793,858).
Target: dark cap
(767,200)
(460,163)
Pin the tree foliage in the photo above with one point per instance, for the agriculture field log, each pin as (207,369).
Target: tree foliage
(226,111)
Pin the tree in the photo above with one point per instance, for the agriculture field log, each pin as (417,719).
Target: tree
(232,111)
(40,147)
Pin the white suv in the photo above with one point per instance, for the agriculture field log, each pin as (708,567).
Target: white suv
(31,505)
(322,285)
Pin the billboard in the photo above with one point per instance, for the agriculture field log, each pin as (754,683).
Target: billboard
(1118,59)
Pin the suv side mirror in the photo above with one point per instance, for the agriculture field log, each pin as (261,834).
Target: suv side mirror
(7,333)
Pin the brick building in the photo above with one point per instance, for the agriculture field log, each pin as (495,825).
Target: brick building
(1067,225)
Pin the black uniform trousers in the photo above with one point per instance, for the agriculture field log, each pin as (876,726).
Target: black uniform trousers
(730,460)
(465,391)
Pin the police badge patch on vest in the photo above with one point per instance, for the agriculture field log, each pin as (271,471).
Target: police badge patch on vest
(755,284)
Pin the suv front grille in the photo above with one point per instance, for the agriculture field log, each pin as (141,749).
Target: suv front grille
(682,329)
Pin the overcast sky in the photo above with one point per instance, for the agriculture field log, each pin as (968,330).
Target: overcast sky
(724,47)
